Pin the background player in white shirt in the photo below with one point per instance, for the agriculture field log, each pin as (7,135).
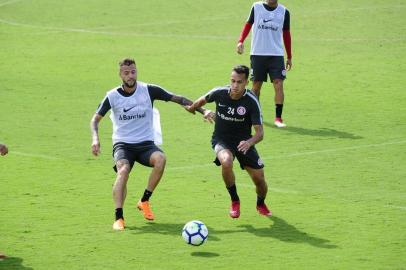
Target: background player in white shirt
(270,22)
(131,106)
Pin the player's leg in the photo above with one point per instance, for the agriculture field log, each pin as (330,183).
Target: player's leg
(225,157)
(258,73)
(120,185)
(256,87)
(158,162)
(120,191)
(257,176)
(123,164)
(155,158)
(252,163)
(277,73)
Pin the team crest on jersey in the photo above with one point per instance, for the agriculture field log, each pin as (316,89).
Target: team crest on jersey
(241,110)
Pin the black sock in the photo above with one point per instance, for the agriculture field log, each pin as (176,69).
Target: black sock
(146,195)
(119,213)
(278,110)
(233,193)
(260,201)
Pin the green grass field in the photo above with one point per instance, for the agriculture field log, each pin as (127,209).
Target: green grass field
(336,174)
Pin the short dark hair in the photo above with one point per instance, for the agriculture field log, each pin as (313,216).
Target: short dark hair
(241,69)
(126,62)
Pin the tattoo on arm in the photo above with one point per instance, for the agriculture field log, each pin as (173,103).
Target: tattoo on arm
(94,126)
(185,102)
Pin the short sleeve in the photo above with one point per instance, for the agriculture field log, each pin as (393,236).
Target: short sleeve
(286,22)
(157,92)
(104,107)
(256,114)
(251,16)
(212,95)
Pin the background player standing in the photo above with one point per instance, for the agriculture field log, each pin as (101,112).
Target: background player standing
(270,22)
(237,111)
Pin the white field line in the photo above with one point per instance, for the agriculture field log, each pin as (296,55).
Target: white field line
(176,168)
(9,2)
(165,23)
(397,207)
(204,37)
(296,154)
(12,152)
(277,190)
(337,149)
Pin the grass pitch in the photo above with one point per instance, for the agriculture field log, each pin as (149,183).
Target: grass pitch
(336,174)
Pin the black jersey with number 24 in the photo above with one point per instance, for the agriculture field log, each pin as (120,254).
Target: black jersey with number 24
(234,118)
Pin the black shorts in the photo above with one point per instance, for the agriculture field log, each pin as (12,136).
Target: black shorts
(250,159)
(140,152)
(263,65)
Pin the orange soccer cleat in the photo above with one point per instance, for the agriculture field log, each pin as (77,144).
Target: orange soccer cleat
(146,209)
(118,225)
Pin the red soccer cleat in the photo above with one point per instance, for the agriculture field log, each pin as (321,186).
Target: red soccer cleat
(263,210)
(279,123)
(235,209)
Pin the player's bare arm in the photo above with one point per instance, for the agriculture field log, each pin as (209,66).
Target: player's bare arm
(186,102)
(208,115)
(288,64)
(244,146)
(94,127)
(194,106)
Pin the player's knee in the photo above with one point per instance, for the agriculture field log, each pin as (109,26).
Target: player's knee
(227,163)
(259,179)
(159,161)
(256,85)
(124,170)
(278,83)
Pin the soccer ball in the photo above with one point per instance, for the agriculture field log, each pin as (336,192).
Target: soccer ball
(195,233)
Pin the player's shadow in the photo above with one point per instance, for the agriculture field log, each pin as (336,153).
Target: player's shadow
(205,254)
(167,229)
(283,231)
(321,132)
(161,228)
(278,229)
(13,263)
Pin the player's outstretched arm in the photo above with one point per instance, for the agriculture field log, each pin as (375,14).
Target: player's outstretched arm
(197,105)
(94,127)
(185,102)
(244,146)
(3,149)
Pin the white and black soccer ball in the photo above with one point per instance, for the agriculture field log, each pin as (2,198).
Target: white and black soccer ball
(195,233)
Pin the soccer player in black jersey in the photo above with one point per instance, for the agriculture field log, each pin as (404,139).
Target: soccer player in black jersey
(237,111)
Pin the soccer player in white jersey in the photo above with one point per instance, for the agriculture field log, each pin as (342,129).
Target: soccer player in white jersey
(270,22)
(237,112)
(131,105)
